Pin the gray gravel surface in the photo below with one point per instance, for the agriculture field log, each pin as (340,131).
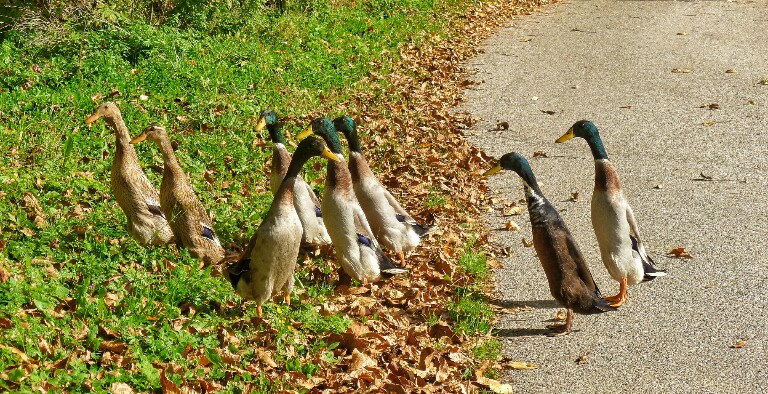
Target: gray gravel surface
(611,62)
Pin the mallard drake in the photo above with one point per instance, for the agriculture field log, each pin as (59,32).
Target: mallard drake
(189,221)
(268,261)
(570,280)
(304,200)
(354,244)
(391,224)
(134,193)
(613,220)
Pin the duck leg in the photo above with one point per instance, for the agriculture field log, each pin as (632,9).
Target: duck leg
(287,296)
(619,299)
(559,330)
(402,258)
(258,311)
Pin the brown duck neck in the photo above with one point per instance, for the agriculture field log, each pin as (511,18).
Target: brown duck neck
(123,148)
(606,178)
(338,177)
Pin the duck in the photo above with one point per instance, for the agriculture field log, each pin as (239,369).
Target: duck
(135,194)
(569,277)
(392,226)
(191,225)
(304,200)
(618,236)
(354,244)
(269,259)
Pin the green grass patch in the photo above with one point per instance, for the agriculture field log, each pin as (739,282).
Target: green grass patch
(474,261)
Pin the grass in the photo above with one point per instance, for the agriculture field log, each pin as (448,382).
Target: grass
(83,299)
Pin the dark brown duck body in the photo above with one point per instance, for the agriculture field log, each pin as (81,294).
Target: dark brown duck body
(570,280)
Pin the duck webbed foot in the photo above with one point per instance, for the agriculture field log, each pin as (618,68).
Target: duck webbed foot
(619,299)
(559,330)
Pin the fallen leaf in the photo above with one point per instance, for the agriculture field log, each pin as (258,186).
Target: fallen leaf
(739,344)
(714,106)
(494,385)
(539,153)
(560,315)
(763,81)
(710,123)
(527,243)
(520,365)
(120,388)
(360,360)
(626,106)
(265,357)
(511,226)
(681,70)
(705,177)
(548,112)
(516,210)
(502,125)
(682,33)
(582,359)
(730,71)
(574,197)
(167,385)
(659,186)
(679,253)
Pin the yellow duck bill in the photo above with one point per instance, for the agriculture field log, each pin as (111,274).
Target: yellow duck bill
(304,134)
(492,170)
(565,137)
(140,138)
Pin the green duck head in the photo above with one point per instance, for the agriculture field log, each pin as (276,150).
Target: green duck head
(346,126)
(268,120)
(323,128)
(514,161)
(587,130)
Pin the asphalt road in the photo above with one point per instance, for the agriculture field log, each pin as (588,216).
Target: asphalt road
(611,62)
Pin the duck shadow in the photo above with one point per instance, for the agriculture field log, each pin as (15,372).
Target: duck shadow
(521,332)
(539,304)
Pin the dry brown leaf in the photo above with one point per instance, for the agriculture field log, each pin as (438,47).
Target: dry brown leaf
(113,346)
(730,71)
(511,226)
(539,153)
(583,359)
(680,253)
(4,274)
(167,385)
(710,123)
(494,385)
(520,365)
(527,243)
(120,388)
(681,70)
(516,210)
(265,357)
(574,196)
(359,360)
(739,344)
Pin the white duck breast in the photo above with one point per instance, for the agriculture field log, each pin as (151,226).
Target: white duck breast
(272,255)
(307,207)
(609,219)
(342,213)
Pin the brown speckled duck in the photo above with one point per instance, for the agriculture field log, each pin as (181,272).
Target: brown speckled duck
(134,193)
(189,221)
(613,220)
(355,246)
(268,262)
(304,200)
(570,280)
(397,230)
